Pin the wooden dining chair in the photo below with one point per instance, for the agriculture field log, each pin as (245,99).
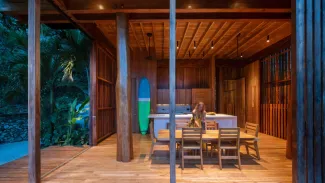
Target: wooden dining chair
(210,125)
(179,125)
(154,140)
(229,139)
(192,140)
(251,128)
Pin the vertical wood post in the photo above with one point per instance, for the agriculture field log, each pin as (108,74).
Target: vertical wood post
(123,91)
(172,74)
(93,95)
(34,159)
(307,91)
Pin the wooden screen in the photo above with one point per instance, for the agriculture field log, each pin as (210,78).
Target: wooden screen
(106,77)
(275,93)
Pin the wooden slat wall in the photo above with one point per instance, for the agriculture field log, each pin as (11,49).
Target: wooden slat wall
(106,77)
(189,74)
(275,93)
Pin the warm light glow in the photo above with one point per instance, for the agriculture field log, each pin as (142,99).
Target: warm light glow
(212,47)
(189,6)
(101,7)
(268,38)
(177,47)
(194,47)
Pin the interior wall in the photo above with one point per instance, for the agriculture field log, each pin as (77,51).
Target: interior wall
(142,67)
(189,74)
(252,78)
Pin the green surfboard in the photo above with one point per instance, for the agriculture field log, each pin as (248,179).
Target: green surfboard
(144,105)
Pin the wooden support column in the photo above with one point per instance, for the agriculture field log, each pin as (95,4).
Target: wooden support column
(93,95)
(123,91)
(34,117)
(308,91)
(172,75)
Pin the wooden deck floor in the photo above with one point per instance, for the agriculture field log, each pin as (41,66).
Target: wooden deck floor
(98,164)
(51,157)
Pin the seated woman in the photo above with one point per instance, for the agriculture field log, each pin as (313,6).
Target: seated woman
(199,114)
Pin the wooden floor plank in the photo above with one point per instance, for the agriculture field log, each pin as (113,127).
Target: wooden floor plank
(99,164)
(51,157)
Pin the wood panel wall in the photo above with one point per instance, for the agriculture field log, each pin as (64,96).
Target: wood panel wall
(189,74)
(142,67)
(225,87)
(106,111)
(252,78)
(276,87)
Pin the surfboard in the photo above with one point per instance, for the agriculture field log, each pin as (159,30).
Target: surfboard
(144,105)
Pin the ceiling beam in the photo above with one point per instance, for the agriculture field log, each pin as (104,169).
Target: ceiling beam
(252,33)
(154,38)
(259,39)
(23,11)
(144,36)
(202,38)
(182,41)
(163,43)
(214,36)
(220,38)
(251,38)
(241,28)
(187,10)
(135,35)
(193,38)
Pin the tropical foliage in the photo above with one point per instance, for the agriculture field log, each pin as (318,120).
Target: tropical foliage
(64,78)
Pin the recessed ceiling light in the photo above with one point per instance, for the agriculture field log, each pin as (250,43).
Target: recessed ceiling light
(101,7)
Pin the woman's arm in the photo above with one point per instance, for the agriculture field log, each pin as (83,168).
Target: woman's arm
(204,115)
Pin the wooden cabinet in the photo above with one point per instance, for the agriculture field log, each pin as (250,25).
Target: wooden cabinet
(202,95)
(187,96)
(183,96)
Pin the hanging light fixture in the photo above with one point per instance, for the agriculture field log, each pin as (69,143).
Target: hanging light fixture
(212,45)
(268,38)
(189,53)
(177,45)
(241,55)
(194,45)
(149,57)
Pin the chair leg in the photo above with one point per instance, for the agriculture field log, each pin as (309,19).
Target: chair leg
(247,150)
(201,158)
(182,158)
(151,150)
(239,161)
(211,151)
(257,150)
(207,149)
(220,163)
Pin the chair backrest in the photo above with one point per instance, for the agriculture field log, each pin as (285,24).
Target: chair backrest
(192,134)
(152,133)
(251,128)
(229,135)
(211,125)
(179,125)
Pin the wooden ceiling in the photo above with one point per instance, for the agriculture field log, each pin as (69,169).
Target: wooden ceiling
(199,21)
(223,35)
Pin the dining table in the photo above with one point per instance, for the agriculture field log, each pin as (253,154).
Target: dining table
(208,136)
